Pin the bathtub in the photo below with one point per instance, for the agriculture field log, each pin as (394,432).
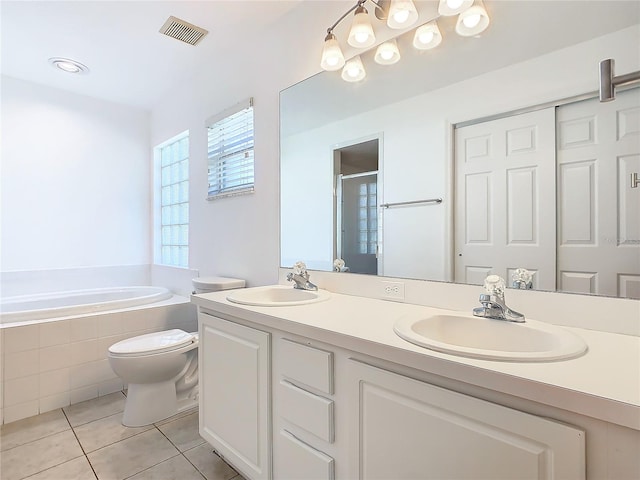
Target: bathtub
(54,346)
(24,308)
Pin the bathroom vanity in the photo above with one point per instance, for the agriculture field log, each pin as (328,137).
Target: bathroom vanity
(327,390)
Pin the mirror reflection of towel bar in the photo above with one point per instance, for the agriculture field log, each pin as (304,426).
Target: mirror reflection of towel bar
(414,202)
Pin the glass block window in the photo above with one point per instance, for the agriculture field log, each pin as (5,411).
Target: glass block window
(174,202)
(368,218)
(230,151)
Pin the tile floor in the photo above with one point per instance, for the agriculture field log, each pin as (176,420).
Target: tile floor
(87,441)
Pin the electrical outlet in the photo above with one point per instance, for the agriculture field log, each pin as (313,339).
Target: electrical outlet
(393,290)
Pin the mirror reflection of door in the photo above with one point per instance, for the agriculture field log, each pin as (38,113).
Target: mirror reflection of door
(505,199)
(506,215)
(356,242)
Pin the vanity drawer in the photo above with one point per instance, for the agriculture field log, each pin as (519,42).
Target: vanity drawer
(306,410)
(302,460)
(307,365)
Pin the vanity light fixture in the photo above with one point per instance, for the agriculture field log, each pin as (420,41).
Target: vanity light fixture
(447,8)
(353,70)
(473,20)
(361,34)
(402,14)
(332,57)
(427,36)
(387,53)
(399,14)
(68,65)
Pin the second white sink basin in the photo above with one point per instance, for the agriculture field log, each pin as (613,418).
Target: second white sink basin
(491,339)
(276,296)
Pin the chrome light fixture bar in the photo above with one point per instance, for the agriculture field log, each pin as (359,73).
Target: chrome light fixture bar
(608,81)
(398,14)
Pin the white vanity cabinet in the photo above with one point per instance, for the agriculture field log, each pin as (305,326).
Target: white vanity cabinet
(304,411)
(235,407)
(407,429)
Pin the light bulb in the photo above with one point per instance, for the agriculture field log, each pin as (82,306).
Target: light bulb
(361,37)
(453,7)
(425,37)
(333,61)
(387,53)
(402,16)
(353,70)
(68,67)
(471,21)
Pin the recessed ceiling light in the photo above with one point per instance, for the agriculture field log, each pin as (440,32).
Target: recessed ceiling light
(68,65)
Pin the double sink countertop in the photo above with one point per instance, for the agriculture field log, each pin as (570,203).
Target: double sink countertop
(604,383)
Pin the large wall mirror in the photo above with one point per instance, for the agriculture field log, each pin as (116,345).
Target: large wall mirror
(480,156)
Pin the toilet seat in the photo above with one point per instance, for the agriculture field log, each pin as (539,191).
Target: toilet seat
(152,343)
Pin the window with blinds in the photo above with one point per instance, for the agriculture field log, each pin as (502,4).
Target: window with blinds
(173,235)
(230,151)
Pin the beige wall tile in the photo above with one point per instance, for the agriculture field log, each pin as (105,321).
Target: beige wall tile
(84,352)
(18,339)
(54,333)
(54,382)
(18,412)
(20,390)
(55,357)
(85,328)
(21,364)
(54,402)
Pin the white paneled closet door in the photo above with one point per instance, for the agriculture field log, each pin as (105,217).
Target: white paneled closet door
(505,198)
(598,209)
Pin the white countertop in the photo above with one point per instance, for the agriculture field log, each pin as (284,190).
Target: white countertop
(604,383)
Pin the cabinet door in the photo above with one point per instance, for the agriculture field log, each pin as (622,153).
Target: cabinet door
(234,375)
(406,429)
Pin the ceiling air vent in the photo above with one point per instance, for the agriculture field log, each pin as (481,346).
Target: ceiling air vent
(183,31)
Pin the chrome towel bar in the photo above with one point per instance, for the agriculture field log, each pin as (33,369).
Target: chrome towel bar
(413,202)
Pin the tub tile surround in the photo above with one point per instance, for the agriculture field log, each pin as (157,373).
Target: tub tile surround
(84,440)
(53,364)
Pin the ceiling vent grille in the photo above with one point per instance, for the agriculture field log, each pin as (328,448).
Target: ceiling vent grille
(183,31)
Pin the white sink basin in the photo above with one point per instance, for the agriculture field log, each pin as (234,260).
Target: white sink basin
(491,339)
(276,296)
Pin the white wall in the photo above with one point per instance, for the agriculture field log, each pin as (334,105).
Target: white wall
(75,180)
(416,152)
(238,236)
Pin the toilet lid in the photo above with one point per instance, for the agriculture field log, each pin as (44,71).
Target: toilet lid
(156,342)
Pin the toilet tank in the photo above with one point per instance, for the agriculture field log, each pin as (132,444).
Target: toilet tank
(215,284)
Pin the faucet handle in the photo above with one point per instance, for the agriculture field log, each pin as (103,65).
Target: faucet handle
(299,268)
(522,279)
(495,285)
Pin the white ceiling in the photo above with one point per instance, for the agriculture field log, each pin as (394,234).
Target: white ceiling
(132,63)
(129,61)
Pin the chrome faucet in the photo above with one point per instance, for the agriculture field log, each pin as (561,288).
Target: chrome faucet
(493,304)
(301,277)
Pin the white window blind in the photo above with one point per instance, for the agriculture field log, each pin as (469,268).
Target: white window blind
(230,151)
(174,202)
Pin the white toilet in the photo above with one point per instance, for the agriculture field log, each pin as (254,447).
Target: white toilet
(161,368)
